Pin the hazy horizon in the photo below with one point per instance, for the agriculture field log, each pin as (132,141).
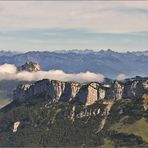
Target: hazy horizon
(72,50)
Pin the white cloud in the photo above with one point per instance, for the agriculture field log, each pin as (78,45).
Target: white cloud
(121,77)
(95,16)
(7,68)
(9,72)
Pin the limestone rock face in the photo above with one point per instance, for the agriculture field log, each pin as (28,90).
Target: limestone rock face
(85,94)
(135,89)
(88,94)
(15,126)
(118,90)
(92,94)
(30,67)
(145,85)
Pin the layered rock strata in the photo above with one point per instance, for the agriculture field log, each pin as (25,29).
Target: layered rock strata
(85,94)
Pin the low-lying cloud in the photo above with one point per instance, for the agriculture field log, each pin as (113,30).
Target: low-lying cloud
(121,77)
(9,72)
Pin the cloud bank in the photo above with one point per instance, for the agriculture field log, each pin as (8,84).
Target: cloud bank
(101,16)
(9,72)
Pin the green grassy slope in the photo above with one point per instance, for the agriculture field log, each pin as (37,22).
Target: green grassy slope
(44,124)
(139,127)
(4,102)
(4,99)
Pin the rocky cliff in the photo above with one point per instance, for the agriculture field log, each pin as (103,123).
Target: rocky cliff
(85,94)
(29,66)
(54,113)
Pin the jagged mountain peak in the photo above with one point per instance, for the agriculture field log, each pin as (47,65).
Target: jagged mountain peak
(30,67)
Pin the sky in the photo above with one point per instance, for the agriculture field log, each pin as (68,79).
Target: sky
(65,25)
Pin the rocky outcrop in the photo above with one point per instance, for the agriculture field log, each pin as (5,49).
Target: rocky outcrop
(30,67)
(81,93)
(47,89)
(15,126)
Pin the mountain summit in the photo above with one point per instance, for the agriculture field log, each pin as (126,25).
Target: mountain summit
(50,113)
(30,67)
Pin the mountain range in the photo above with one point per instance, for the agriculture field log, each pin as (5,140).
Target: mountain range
(109,63)
(54,113)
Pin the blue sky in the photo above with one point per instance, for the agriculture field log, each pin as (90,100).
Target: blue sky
(120,26)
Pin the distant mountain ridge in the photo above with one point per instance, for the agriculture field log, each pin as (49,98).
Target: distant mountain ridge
(108,63)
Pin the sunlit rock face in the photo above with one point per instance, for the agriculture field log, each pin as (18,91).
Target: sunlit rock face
(88,94)
(92,93)
(118,90)
(85,94)
(30,67)
(145,85)
(15,126)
